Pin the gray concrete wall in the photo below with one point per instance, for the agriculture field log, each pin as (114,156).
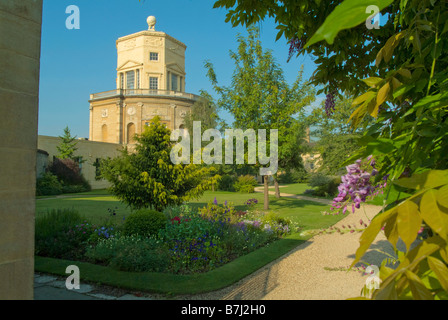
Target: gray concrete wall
(20,38)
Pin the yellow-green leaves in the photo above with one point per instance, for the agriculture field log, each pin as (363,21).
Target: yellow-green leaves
(387,51)
(372,81)
(409,222)
(369,235)
(442,196)
(427,179)
(419,291)
(441,271)
(436,219)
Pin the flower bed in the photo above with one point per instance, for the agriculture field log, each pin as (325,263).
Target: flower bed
(188,242)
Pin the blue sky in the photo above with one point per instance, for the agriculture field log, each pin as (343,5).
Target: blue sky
(76,63)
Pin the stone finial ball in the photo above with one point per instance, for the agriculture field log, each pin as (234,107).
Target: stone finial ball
(151,20)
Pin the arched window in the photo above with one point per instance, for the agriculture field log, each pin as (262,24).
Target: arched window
(104,133)
(131,133)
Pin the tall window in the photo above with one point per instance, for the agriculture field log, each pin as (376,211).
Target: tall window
(174,86)
(137,74)
(121,81)
(154,56)
(130,80)
(153,83)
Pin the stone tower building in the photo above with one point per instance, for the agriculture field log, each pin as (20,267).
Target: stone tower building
(150,82)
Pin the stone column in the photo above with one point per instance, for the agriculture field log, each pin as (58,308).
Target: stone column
(20,25)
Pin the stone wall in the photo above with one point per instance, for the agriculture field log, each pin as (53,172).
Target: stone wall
(90,151)
(20,25)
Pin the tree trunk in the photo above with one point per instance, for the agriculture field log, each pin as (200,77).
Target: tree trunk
(266,193)
(277,188)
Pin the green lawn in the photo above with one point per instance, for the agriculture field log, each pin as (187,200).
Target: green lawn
(94,205)
(293,188)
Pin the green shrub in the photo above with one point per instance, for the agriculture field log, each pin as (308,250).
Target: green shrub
(324,185)
(62,234)
(48,185)
(76,188)
(245,184)
(52,222)
(144,222)
(300,175)
(227,183)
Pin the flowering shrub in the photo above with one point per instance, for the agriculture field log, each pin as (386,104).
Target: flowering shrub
(251,202)
(130,253)
(357,185)
(193,241)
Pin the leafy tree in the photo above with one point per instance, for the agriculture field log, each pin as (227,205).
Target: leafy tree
(146,177)
(336,140)
(67,147)
(259,97)
(341,64)
(205,111)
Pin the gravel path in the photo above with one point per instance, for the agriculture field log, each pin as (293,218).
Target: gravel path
(315,270)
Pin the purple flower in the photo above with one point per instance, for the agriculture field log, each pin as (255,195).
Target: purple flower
(215,201)
(329,103)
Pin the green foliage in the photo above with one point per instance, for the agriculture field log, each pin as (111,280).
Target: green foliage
(48,184)
(340,65)
(245,184)
(407,94)
(324,185)
(300,175)
(147,178)
(336,141)
(205,111)
(226,183)
(144,223)
(260,98)
(348,14)
(67,147)
(61,234)
(130,253)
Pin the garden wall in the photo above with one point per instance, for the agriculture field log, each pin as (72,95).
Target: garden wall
(90,151)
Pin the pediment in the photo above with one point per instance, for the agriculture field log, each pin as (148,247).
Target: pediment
(129,65)
(175,67)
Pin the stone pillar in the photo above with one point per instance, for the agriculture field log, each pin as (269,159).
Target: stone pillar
(20,25)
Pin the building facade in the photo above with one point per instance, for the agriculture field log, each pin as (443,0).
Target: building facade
(150,82)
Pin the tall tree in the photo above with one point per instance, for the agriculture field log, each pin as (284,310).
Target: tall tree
(259,96)
(67,146)
(205,111)
(148,178)
(336,140)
